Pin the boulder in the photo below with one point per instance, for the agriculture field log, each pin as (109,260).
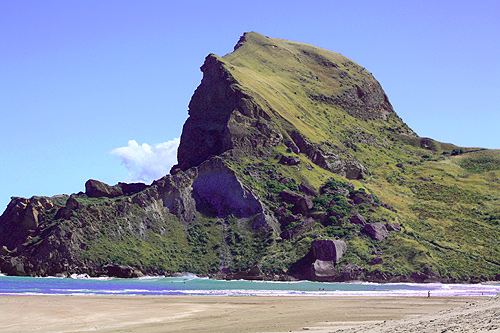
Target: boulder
(289,160)
(97,189)
(308,189)
(302,204)
(377,230)
(328,250)
(336,190)
(358,219)
(362,197)
(319,263)
(290,196)
(304,225)
(71,205)
(393,227)
(324,268)
(132,188)
(121,271)
(12,266)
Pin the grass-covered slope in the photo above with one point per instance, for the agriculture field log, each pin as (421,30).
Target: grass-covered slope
(286,146)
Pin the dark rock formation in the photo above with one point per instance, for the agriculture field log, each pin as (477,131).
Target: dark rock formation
(351,272)
(132,188)
(366,101)
(254,273)
(292,146)
(336,190)
(377,231)
(328,250)
(121,271)
(362,197)
(289,160)
(358,219)
(319,263)
(21,218)
(308,189)
(12,266)
(393,227)
(302,204)
(427,276)
(348,168)
(220,115)
(218,192)
(97,189)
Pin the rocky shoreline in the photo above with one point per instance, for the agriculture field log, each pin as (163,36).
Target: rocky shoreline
(14,266)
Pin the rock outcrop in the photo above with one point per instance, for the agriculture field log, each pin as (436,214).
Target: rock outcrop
(377,231)
(319,263)
(220,117)
(121,271)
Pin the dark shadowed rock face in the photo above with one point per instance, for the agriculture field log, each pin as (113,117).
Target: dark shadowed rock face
(206,131)
(131,188)
(218,192)
(220,118)
(20,218)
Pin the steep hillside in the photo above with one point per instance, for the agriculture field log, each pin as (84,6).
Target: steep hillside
(292,164)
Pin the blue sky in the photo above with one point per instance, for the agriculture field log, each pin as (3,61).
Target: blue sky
(100,89)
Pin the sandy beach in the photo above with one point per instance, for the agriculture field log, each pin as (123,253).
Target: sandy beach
(247,314)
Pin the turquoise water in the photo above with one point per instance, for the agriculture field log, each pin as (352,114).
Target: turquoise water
(192,285)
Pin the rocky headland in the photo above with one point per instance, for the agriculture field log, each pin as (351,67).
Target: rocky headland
(292,165)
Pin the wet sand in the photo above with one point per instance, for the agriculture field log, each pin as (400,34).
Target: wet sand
(243,313)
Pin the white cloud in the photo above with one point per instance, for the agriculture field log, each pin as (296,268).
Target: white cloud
(146,163)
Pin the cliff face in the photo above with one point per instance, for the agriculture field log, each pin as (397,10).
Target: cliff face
(222,117)
(292,163)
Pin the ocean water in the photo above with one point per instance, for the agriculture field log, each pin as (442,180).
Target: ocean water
(192,285)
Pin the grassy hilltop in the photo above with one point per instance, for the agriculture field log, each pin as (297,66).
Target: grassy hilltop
(291,163)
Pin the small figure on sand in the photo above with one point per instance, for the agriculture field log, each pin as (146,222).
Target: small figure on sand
(428,294)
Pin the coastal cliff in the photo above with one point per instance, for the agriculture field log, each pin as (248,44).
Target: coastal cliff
(292,164)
